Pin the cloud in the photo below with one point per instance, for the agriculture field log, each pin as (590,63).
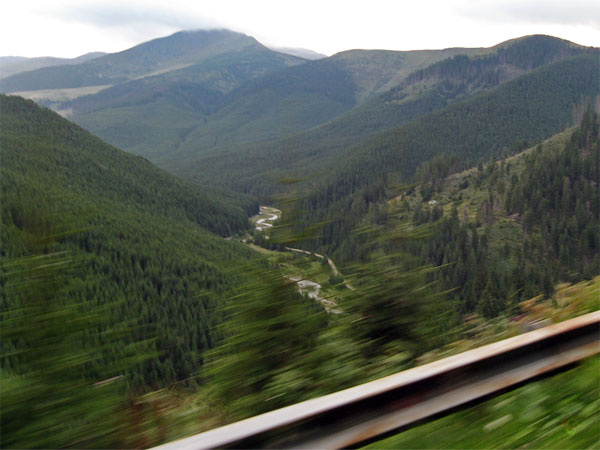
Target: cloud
(115,25)
(132,14)
(552,12)
(72,27)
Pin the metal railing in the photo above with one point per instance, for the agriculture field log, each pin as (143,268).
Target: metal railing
(369,411)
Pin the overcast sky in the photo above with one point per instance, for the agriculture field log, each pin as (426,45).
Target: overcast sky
(69,28)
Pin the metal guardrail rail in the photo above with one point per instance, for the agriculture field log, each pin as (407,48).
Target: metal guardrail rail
(356,415)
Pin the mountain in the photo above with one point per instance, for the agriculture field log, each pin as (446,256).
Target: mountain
(162,55)
(421,92)
(126,310)
(473,130)
(12,65)
(156,92)
(146,245)
(243,119)
(270,106)
(154,114)
(302,97)
(246,112)
(513,228)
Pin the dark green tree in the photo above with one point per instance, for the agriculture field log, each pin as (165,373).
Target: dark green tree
(270,329)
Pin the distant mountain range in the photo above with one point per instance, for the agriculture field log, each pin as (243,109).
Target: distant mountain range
(182,50)
(300,52)
(210,89)
(12,65)
(219,108)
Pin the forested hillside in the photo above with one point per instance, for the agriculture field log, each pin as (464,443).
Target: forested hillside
(527,223)
(274,105)
(505,231)
(453,76)
(415,94)
(148,98)
(143,244)
(449,261)
(152,116)
(473,130)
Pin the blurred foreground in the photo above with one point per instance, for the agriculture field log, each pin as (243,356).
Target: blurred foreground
(48,398)
(561,412)
(279,347)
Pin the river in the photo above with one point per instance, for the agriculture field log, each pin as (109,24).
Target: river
(264,220)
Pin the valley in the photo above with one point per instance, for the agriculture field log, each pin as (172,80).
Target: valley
(200,229)
(300,270)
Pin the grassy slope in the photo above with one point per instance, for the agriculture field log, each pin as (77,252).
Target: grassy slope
(12,65)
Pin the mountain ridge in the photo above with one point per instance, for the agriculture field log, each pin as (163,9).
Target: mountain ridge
(306,152)
(12,65)
(476,129)
(144,59)
(322,77)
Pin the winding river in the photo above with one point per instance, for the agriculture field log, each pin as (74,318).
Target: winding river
(264,220)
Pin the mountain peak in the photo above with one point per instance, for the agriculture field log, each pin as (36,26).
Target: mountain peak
(192,44)
(539,39)
(169,53)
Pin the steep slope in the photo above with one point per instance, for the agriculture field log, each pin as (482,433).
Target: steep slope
(472,130)
(143,241)
(151,96)
(207,116)
(488,122)
(276,104)
(303,97)
(526,222)
(376,71)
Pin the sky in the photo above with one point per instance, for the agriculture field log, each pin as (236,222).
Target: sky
(69,28)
